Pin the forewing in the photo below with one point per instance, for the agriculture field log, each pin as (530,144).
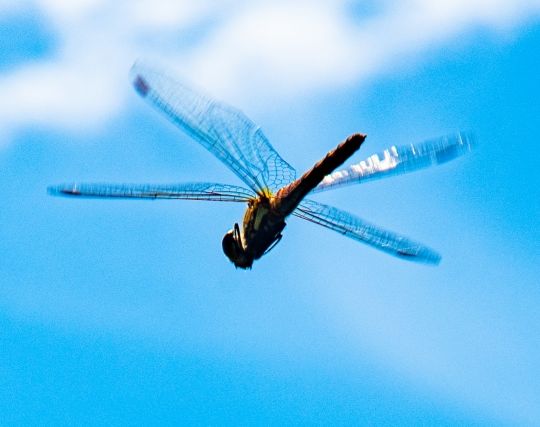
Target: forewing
(400,160)
(223,130)
(358,229)
(188,191)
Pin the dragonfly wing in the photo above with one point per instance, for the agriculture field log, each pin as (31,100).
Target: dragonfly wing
(400,160)
(358,229)
(223,130)
(188,191)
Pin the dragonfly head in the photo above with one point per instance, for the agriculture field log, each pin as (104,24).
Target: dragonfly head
(233,249)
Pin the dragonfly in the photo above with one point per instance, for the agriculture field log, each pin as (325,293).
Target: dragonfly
(272,191)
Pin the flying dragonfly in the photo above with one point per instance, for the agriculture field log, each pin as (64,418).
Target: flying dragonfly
(273,192)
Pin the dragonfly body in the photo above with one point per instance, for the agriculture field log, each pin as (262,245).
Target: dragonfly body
(264,219)
(262,227)
(273,192)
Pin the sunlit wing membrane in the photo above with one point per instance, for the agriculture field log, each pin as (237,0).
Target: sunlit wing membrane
(188,191)
(223,130)
(400,160)
(358,229)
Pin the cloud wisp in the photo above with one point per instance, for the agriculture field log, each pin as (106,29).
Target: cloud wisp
(236,49)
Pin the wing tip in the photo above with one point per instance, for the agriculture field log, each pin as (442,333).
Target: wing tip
(464,141)
(424,257)
(141,85)
(62,190)
(434,260)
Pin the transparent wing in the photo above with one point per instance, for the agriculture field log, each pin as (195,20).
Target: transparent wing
(360,230)
(223,130)
(400,160)
(188,191)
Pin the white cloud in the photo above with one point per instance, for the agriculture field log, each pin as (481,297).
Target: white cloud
(279,46)
(269,48)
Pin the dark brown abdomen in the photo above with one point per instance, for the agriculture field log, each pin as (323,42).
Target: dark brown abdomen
(288,198)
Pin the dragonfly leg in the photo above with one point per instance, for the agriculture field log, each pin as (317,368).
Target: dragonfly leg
(238,235)
(273,245)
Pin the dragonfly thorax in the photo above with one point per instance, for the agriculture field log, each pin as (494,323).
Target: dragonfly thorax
(262,227)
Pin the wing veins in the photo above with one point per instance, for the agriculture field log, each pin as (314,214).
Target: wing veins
(360,230)
(400,160)
(223,130)
(186,191)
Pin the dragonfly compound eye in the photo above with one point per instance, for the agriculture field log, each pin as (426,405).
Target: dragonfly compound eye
(230,246)
(234,251)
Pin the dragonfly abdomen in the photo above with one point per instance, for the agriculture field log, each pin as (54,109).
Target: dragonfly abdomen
(288,198)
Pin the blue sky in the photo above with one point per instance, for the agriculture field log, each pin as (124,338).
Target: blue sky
(127,312)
